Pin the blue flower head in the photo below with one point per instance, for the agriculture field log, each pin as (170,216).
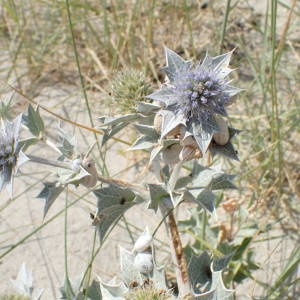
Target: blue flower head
(195,95)
(11,156)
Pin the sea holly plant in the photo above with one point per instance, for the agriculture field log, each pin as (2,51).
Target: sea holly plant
(183,121)
(186,121)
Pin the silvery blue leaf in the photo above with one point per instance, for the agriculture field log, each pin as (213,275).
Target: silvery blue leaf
(147,130)
(217,290)
(94,291)
(109,132)
(110,121)
(67,143)
(157,193)
(200,273)
(218,63)
(154,153)
(22,159)
(170,121)
(33,121)
(221,292)
(203,135)
(206,199)
(175,64)
(24,284)
(207,177)
(113,291)
(50,192)
(26,143)
(158,278)
(226,150)
(72,177)
(113,202)
(166,95)
(128,270)
(109,216)
(221,263)
(147,108)
(144,142)
(24,281)
(222,181)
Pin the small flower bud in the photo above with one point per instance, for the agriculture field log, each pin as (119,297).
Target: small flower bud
(89,165)
(143,242)
(221,137)
(143,262)
(158,122)
(76,165)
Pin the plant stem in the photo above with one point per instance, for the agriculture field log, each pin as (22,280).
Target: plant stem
(224,27)
(54,163)
(177,253)
(69,291)
(89,274)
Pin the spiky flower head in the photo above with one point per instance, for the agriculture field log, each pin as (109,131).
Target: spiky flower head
(195,96)
(11,156)
(128,87)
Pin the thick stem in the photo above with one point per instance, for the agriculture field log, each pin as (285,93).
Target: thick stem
(177,253)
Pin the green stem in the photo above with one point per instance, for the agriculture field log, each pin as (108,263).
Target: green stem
(80,73)
(69,290)
(48,162)
(89,270)
(224,27)
(204,222)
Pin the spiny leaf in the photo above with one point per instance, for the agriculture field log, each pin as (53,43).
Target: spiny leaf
(111,131)
(157,193)
(147,108)
(170,121)
(113,291)
(110,121)
(33,121)
(228,149)
(50,192)
(113,202)
(220,291)
(26,143)
(67,144)
(147,130)
(144,142)
(199,272)
(221,263)
(175,64)
(203,133)
(166,96)
(205,198)
(24,284)
(72,177)
(207,177)
(128,270)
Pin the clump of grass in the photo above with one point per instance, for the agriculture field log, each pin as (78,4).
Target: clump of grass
(128,87)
